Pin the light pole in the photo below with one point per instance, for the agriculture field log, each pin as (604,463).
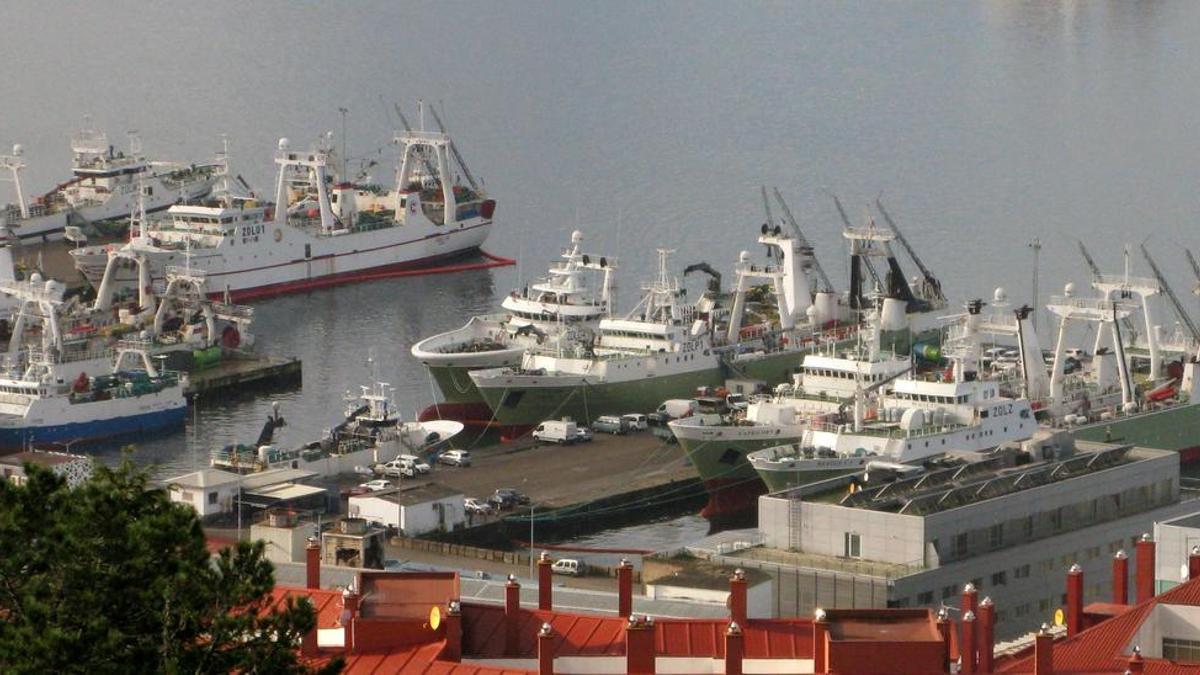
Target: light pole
(1036,245)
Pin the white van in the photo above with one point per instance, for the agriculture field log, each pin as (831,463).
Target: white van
(563,432)
(417,464)
(636,421)
(568,566)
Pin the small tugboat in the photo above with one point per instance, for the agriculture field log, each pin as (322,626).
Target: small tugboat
(324,229)
(372,433)
(40,410)
(104,186)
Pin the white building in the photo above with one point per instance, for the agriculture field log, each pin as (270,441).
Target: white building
(413,510)
(215,491)
(75,468)
(209,491)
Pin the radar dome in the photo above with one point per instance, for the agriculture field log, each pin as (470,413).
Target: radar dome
(576,237)
(18,149)
(36,277)
(1069,289)
(284,143)
(744,256)
(1000,295)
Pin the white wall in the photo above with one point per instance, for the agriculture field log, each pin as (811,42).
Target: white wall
(421,518)
(374,509)
(197,498)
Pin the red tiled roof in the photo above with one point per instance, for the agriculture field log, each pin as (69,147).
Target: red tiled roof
(327,603)
(422,660)
(589,635)
(1101,648)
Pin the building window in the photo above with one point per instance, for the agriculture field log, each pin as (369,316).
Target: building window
(999,578)
(947,591)
(212,498)
(853,545)
(1027,527)
(1056,519)
(1180,650)
(996,535)
(925,598)
(960,544)
(1021,572)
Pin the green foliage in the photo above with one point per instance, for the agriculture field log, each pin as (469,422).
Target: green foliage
(112,577)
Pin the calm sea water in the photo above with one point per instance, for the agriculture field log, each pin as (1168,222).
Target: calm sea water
(982,124)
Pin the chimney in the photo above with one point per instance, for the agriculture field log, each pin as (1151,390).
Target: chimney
(545,650)
(349,612)
(820,641)
(639,645)
(1194,563)
(970,603)
(1120,578)
(512,617)
(968,643)
(1074,600)
(453,623)
(737,598)
(1144,573)
(544,582)
(733,649)
(624,589)
(1136,663)
(987,635)
(1043,652)
(312,563)
(945,628)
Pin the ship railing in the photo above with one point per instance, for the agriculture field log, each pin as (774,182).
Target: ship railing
(177,271)
(890,432)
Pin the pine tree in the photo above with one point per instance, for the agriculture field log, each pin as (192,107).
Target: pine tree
(113,577)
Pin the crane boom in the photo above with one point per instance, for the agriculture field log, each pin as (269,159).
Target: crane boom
(934,284)
(791,221)
(866,259)
(1192,261)
(454,149)
(767,207)
(1187,320)
(1090,262)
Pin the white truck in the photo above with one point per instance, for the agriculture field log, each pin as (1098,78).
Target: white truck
(562,432)
(677,407)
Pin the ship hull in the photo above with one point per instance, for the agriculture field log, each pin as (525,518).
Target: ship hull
(779,478)
(719,455)
(584,402)
(19,436)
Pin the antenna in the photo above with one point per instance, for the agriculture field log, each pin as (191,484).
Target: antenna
(345,147)
(1036,245)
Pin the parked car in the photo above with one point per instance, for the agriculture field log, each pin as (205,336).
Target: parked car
(635,421)
(396,469)
(583,435)
(609,424)
(563,432)
(455,458)
(473,505)
(569,567)
(505,498)
(376,485)
(418,465)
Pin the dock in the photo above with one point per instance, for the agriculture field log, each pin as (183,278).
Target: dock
(259,372)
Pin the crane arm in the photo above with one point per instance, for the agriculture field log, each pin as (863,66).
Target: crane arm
(934,284)
(1090,262)
(454,149)
(1187,320)
(1192,261)
(816,265)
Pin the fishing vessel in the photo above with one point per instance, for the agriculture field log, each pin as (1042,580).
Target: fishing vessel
(40,410)
(923,415)
(104,186)
(660,344)
(563,305)
(323,230)
(804,313)
(829,379)
(372,432)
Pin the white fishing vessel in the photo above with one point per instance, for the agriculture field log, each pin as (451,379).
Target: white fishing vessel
(371,433)
(322,230)
(661,343)
(923,415)
(104,186)
(38,409)
(563,305)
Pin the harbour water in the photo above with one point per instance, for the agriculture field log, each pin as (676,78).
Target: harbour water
(983,125)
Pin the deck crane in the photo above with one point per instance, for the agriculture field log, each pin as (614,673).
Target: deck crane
(408,127)
(934,286)
(1162,282)
(1195,269)
(454,150)
(856,302)
(1091,263)
(770,216)
(808,247)
(714,282)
